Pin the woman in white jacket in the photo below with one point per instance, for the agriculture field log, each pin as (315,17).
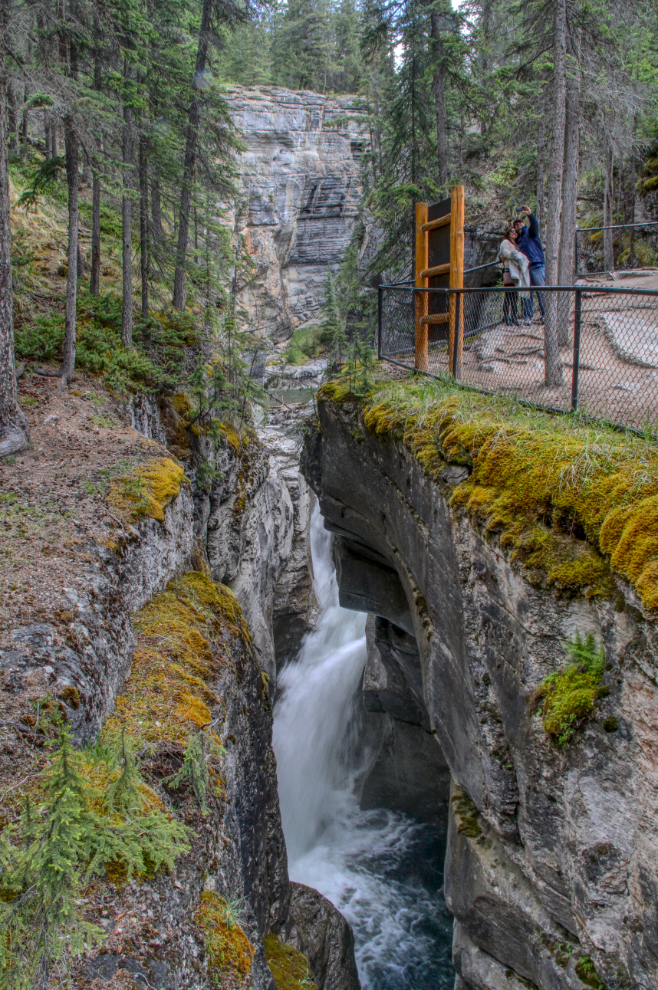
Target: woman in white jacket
(517,265)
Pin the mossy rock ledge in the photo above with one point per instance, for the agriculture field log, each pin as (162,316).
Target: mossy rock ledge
(511,559)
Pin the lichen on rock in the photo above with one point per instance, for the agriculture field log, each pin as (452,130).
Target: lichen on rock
(147,489)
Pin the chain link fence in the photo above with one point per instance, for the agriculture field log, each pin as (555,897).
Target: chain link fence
(602,345)
(633,246)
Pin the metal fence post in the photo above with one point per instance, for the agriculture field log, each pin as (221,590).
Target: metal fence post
(379,322)
(575,254)
(458,345)
(576,350)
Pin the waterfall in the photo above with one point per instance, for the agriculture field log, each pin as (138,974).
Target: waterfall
(382,869)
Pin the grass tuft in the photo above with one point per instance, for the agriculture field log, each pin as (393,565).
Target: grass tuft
(568,697)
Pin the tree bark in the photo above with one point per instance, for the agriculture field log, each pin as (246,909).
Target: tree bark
(47,140)
(541,151)
(13,120)
(608,248)
(24,123)
(126,215)
(156,206)
(439,100)
(72,163)
(143,222)
(553,364)
(189,164)
(566,273)
(95,276)
(14,429)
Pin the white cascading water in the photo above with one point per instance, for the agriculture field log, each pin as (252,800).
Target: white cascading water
(380,868)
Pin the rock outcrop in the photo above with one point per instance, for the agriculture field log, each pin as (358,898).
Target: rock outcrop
(319,930)
(551,865)
(300,173)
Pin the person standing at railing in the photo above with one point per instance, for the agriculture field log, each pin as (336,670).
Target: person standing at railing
(515,273)
(529,242)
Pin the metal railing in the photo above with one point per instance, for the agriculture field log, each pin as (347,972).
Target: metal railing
(493,339)
(629,252)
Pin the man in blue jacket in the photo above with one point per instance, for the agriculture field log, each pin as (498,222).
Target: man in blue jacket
(529,243)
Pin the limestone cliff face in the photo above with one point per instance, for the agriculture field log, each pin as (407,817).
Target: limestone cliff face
(300,176)
(552,852)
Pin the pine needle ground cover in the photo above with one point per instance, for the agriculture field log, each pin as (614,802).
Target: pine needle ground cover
(572,502)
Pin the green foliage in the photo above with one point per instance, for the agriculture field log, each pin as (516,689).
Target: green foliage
(305,343)
(201,747)
(157,360)
(48,858)
(334,321)
(569,696)
(586,971)
(43,176)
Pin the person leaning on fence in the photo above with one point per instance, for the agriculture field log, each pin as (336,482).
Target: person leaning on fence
(515,273)
(529,243)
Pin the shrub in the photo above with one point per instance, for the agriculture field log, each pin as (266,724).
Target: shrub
(96,813)
(569,696)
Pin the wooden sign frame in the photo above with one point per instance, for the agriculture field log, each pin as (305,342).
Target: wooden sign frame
(454,316)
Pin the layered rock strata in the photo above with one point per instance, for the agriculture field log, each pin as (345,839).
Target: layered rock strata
(300,174)
(551,865)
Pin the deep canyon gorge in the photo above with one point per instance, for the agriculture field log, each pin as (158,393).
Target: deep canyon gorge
(318,606)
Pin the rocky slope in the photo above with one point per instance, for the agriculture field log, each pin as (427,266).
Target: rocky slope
(300,176)
(550,869)
(122,632)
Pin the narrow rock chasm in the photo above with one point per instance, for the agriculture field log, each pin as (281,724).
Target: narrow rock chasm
(547,867)
(363,786)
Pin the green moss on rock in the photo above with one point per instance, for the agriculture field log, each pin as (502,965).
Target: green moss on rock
(569,696)
(573,501)
(289,967)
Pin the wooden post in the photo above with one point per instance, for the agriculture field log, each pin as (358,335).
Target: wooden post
(456,332)
(422,260)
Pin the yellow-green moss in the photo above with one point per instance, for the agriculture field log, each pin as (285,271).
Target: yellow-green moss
(179,653)
(288,966)
(229,950)
(569,696)
(574,500)
(467,815)
(147,489)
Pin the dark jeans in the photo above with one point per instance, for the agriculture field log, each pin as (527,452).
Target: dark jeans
(510,308)
(537,277)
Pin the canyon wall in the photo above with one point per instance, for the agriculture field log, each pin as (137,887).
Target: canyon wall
(551,864)
(301,187)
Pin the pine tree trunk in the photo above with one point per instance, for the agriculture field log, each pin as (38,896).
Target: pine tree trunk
(47,140)
(541,151)
(189,165)
(608,248)
(14,430)
(72,180)
(95,277)
(566,273)
(553,364)
(143,222)
(24,123)
(439,100)
(126,216)
(53,140)
(13,121)
(156,206)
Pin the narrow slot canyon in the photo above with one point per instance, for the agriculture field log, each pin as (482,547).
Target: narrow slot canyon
(363,797)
